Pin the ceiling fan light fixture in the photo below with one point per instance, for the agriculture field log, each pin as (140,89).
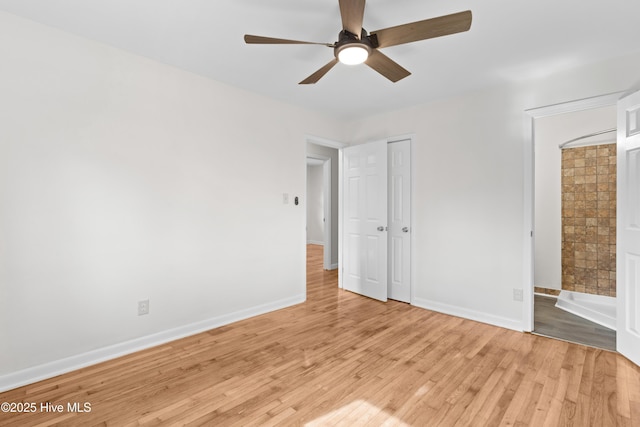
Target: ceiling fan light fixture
(355,45)
(353,53)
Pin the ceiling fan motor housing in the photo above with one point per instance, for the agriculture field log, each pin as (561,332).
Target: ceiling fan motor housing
(347,39)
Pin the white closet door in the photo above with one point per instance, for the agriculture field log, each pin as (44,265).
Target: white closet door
(365,219)
(399,283)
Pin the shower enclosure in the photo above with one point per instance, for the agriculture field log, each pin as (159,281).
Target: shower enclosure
(589,230)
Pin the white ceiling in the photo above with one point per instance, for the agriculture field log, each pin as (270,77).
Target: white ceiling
(509,40)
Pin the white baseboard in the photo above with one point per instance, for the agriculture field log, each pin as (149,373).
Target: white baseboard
(465,313)
(315,242)
(333,266)
(72,363)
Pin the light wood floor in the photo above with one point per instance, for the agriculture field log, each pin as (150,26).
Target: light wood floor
(342,359)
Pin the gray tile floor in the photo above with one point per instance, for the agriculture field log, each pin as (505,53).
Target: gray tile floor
(556,323)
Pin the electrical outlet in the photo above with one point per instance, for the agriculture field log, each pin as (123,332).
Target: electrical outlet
(517,294)
(143,307)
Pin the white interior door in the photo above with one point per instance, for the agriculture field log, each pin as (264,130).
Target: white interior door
(399,280)
(628,235)
(365,219)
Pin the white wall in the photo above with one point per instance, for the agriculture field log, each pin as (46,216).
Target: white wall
(315,205)
(549,133)
(123,179)
(468,166)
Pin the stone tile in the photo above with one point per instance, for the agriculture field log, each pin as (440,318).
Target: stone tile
(589,219)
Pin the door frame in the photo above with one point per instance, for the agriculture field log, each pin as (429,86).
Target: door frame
(528,233)
(326,206)
(327,253)
(411,137)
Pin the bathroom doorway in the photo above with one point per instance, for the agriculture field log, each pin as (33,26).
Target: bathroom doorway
(575,226)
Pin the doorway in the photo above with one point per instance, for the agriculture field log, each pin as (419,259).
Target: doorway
(574,257)
(319,204)
(324,154)
(550,247)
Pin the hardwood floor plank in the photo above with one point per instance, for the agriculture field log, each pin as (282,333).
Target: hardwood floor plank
(342,359)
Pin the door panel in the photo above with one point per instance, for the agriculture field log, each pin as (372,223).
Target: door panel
(399,287)
(365,219)
(628,235)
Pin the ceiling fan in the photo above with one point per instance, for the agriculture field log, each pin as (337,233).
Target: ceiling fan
(355,46)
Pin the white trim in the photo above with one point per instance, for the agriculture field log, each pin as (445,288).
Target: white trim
(340,214)
(530,116)
(528,221)
(412,228)
(577,105)
(465,313)
(409,136)
(326,193)
(62,366)
(324,142)
(315,242)
(333,266)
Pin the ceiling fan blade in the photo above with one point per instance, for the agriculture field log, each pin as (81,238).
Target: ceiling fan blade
(421,30)
(352,12)
(386,66)
(313,78)
(250,39)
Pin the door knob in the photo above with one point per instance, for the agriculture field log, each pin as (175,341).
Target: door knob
(381,228)
(405,229)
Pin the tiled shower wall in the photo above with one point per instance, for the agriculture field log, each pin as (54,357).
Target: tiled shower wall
(589,219)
